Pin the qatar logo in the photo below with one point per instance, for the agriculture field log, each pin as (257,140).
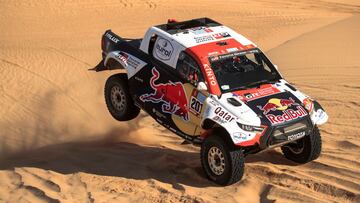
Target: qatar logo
(170,95)
(163,49)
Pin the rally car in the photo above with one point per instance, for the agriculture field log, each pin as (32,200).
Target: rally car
(214,88)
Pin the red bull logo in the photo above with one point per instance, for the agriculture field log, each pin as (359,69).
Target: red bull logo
(277,104)
(283,105)
(171,95)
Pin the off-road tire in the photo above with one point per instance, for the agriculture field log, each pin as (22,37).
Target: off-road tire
(234,161)
(311,148)
(118,99)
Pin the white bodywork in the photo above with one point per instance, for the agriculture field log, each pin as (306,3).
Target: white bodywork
(131,63)
(245,115)
(167,49)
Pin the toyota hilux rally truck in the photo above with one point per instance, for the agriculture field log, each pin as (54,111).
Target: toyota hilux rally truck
(214,88)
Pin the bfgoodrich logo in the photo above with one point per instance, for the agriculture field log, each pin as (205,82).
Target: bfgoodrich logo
(163,49)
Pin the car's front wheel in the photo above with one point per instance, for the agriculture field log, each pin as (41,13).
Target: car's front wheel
(221,164)
(118,99)
(305,149)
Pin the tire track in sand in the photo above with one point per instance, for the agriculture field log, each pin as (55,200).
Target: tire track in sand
(77,104)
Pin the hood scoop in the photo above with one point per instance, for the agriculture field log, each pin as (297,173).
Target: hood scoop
(233,102)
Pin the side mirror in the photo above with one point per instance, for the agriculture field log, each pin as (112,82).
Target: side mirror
(276,67)
(201,87)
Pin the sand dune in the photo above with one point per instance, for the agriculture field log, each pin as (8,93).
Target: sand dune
(59,143)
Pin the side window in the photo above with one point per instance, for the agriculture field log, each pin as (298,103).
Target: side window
(188,69)
(152,43)
(262,64)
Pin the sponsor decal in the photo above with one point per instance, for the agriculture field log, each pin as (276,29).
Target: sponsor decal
(212,102)
(212,37)
(128,60)
(320,114)
(219,111)
(163,49)
(213,53)
(123,58)
(201,97)
(275,104)
(204,39)
(195,105)
(170,95)
(257,93)
(233,54)
(221,35)
(112,38)
(219,119)
(240,136)
(232,49)
(288,115)
(158,114)
(200,30)
(139,79)
(210,75)
(296,136)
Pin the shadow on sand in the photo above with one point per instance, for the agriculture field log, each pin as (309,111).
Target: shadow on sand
(125,160)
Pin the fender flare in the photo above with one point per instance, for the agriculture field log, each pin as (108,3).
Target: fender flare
(112,61)
(123,60)
(219,130)
(109,62)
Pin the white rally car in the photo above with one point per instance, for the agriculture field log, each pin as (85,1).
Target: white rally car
(214,88)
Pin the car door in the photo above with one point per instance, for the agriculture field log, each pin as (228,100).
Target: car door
(160,91)
(190,73)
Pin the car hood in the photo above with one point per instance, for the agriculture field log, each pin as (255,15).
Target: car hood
(278,108)
(272,106)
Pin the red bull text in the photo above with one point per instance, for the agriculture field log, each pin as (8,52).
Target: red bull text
(287,115)
(275,104)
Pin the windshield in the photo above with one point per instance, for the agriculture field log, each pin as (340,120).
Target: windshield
(242,70)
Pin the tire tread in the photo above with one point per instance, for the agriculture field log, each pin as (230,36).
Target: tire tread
(312,142)
(131,111)
(236,158)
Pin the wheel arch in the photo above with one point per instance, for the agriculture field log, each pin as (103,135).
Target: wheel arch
(217,129)
(112,62)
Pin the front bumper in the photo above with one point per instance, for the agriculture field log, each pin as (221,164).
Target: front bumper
(284,133)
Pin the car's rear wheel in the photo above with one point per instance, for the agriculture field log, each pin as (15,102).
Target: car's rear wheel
(118,99)
(305,149)
(221,164)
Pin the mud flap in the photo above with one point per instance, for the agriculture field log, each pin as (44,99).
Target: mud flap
(99,67)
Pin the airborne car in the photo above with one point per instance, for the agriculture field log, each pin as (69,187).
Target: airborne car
(214,88)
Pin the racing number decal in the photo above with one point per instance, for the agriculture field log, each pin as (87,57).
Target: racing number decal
(195,105)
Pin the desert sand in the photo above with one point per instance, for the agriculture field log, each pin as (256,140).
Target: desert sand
(58,143)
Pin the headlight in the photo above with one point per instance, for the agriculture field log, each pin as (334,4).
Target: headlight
(308,104)
(251,128)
